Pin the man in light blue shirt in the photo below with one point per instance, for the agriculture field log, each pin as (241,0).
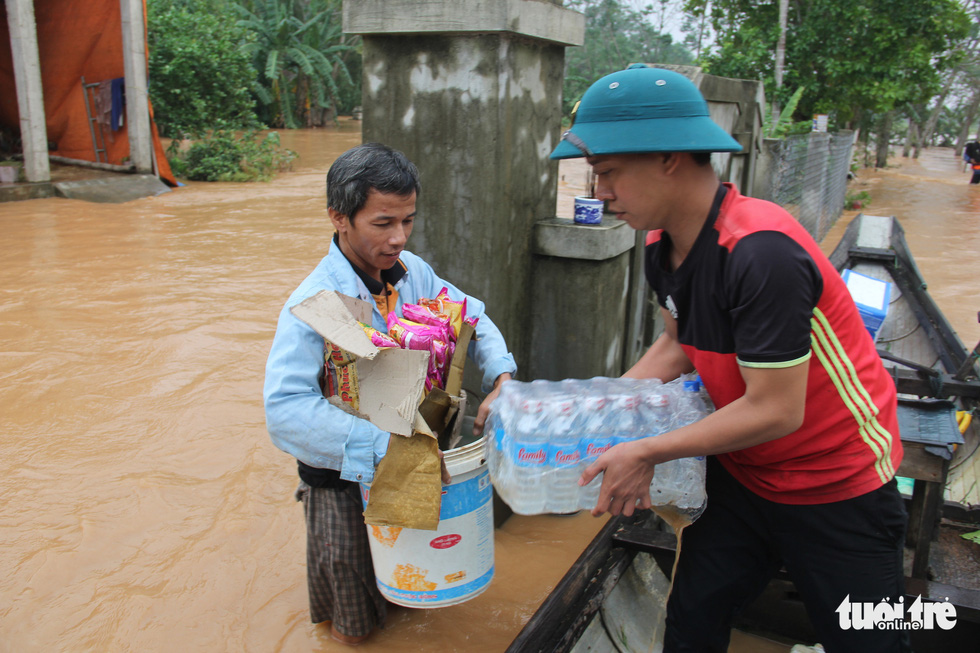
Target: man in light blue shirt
(371,195)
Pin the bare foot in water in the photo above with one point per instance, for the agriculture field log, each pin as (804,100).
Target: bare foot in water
(349,640)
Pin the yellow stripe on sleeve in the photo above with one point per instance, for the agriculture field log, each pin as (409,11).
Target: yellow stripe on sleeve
(780,365)
(842,374)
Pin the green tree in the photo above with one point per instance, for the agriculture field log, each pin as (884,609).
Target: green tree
(955,108)
(616,36)
(856,59)
(200,77)
(299,49)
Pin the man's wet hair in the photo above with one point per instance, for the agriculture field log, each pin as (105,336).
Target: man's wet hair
(365,167)
(701,158)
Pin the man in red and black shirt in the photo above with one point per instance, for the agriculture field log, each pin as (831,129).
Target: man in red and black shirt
(804,443)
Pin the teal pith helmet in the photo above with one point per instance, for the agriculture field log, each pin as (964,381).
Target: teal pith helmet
(643,109)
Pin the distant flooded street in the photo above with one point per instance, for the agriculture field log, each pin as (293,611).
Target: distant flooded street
(145,508)
(940,213)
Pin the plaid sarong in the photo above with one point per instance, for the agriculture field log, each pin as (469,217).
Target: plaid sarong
(339,571)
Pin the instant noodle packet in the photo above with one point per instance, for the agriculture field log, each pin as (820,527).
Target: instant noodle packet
(341,375)
(379,338)
(424,337)
(413,335)
(426,315)
(440,355)
(444,306)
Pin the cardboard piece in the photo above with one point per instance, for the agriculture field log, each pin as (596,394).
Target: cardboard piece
(385,386)
(443,409)
(389,382)
(454,380)
(392,384)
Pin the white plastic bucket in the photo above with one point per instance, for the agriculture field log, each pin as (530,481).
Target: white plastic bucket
(450,565)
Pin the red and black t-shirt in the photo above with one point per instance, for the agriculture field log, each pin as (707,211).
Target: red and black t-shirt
(756,291)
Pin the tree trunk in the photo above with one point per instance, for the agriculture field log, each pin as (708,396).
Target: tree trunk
(910,137)
(780,60)
(882,139)
(926,135)
(863,143)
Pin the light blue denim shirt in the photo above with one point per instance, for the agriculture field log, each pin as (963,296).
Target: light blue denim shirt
(300,420)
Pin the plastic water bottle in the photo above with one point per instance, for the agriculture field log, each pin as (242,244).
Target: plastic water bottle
(502,414)
(564,454)
(625,421)
(596,439)
(690,408)
(654,412)
(680,483)
(528,454)
(545,434)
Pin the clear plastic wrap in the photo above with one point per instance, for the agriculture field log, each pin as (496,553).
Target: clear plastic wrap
(545,433)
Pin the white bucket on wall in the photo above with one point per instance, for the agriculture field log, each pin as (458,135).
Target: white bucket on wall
(450,565)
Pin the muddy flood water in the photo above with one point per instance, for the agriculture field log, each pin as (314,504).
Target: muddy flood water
(144,506)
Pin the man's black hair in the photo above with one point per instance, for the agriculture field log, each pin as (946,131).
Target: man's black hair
(701,158)
(365,167)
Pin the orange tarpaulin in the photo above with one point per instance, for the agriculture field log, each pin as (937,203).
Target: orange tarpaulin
(75,39)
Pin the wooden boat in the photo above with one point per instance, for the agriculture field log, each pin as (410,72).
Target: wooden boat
(613,597)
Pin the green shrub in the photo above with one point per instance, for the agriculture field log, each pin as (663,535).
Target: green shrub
(225,156)
(855,201)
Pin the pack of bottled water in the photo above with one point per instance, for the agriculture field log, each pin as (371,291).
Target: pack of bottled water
(543,434)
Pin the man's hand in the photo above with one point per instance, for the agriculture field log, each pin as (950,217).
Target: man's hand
(484,410)
(625,479)
(773,405)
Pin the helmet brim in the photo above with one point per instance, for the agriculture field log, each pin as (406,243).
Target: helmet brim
(681,134)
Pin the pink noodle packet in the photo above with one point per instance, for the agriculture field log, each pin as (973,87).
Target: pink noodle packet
(425,315)
(379,338)
(439,357)
(412,335)
(443,305)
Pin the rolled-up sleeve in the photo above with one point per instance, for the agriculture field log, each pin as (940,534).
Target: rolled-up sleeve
(489,350)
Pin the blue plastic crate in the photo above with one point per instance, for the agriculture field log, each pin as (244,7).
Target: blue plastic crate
(871,297)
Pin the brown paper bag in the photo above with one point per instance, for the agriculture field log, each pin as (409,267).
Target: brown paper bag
(407,487)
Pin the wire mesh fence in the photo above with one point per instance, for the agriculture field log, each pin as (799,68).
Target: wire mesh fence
(807,175)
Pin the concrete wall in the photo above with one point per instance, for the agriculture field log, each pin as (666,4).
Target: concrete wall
(478,109)
(581,296)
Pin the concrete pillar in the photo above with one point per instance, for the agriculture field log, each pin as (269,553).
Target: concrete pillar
(582,289)
(137,99)
(30,96)
(471,91)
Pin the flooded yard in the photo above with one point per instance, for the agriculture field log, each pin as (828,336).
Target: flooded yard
(145,507)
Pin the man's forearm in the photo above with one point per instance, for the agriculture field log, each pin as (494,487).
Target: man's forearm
(664,360)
